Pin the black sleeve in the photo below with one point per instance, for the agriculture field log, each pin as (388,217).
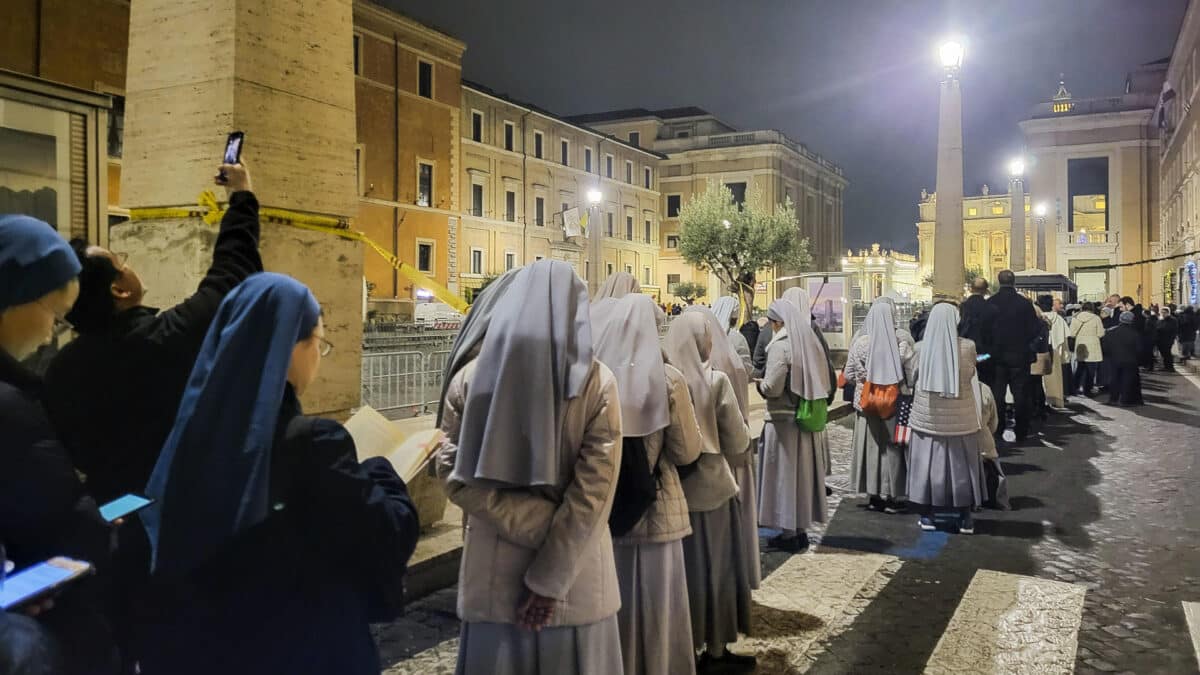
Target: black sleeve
(365,515)
(760,349)
(235,257)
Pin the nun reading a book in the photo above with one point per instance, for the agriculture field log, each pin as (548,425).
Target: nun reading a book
(273,547)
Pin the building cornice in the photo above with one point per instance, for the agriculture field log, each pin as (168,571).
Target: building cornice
(1109,120)
(403,22)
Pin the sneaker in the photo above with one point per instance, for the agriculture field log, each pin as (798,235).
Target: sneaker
(967,526)
(894,507)
(875,504)
(926,523)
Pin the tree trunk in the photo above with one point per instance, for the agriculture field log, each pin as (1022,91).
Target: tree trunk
(744,287)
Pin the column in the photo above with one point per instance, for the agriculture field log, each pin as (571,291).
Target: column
(282,72)
(1016,232)
(948,212)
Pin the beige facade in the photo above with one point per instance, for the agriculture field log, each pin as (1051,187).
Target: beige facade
(700,148)
(525,172)
(1176,280)
(877,272)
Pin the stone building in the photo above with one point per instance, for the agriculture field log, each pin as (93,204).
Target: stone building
(526,172)
(1177,280)
(876,272)
(700,148)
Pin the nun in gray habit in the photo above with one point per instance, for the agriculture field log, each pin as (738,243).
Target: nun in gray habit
(717,578)
(656,631)
(538,591)
(792,479)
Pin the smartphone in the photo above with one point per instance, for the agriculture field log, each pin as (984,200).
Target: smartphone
(233,151)
(982,357)
(41,580)
(123,506)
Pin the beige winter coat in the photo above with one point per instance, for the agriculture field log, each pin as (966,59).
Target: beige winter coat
(678,444)
(710,483)
(936,415)
(1087,329)
(553,541)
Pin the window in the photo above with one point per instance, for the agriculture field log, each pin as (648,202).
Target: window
(997,210)
(672,282)
(587,270)
(974,245)
(608,268)
(587,160)
(477,126)
(608,162)
(629,172)
(116,126)
(739,193)
(646,276)
(539,211)
(358,168)
(477,200)
(682,134)
(1101,204)
(510,206)
(1027,207)
(537,258)
(510,260)
(672,241)
(509,130)
(972,211)
(629,228)
(610,224)
(424,184)
(425,256)
(635,138)
(673,206)
(629,269)
(647,232)
(564,208)
(357,54)
(646,178)
(565,152)
(425,79)
(537,144)
(476,261)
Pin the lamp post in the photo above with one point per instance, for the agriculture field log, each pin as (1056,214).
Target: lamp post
(1016,232)
(948,226)
(594,197)
(1040,212)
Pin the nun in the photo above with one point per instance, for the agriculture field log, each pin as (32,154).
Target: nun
(656,412)
(726,310)
(725,359)
(617,286)
(538,590)
(944,471)
(45,510)
(267,530)
(717,577)
(792,479)
(880,356)
(801,299)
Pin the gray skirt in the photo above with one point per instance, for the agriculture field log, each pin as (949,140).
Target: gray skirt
(945,470)
(718,584)
(877,467)
(506,649)
(791,489)
(747,500)
(654,621)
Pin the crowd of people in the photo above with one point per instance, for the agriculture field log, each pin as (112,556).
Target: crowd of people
(269,548)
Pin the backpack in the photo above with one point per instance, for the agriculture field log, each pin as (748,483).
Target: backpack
(637,486)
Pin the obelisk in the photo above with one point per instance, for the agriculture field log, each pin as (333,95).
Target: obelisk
(948,213)
(1016,233)
(282,72)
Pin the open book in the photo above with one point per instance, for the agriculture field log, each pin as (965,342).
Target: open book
(376,436)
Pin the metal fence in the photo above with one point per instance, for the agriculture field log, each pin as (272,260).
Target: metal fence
(403,384)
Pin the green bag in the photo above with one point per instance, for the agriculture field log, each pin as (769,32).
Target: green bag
(812,415)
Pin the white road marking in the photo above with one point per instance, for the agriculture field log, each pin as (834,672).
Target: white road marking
(1191,610)
(1011,624)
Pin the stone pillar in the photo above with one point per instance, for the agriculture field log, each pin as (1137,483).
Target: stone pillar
(1016,232)
(282,72)
(948,226)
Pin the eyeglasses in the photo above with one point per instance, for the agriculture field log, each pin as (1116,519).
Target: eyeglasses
(61,325)
(326,346)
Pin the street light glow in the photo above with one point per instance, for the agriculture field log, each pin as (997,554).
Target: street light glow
(594,196)
(1016,168)
(1040,210)
(951,53)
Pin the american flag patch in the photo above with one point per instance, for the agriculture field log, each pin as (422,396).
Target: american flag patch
(903,433)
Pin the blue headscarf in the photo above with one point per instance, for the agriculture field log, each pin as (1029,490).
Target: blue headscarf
(34,260)
(212,478)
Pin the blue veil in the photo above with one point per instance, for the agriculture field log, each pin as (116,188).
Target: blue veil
(212,478)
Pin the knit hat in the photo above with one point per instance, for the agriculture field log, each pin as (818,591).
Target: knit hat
(1127,317)
(34,260)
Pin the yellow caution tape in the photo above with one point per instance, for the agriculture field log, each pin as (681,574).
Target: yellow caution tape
(211,212)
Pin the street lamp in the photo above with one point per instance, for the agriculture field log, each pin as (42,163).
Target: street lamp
(951,53)
(594,197)
(948,213)
(1016,167)
(1016,229)
(1040,210)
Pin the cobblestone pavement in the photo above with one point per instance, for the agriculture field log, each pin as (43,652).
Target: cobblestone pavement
(1088,572)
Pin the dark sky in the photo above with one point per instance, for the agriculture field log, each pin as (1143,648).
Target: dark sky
(856,80)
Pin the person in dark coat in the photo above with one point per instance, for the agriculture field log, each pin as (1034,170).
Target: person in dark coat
(1164,337)
(273,546)
(1188,325)
(1121,345)
(978,323)
(44,509)
(26,648)
(1017,326)
(750,331)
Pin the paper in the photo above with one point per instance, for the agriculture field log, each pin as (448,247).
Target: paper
(376,436)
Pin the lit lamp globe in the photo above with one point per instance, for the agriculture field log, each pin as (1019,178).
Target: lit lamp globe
(594,196)
(951,55)
(1016,168)
(1040,210)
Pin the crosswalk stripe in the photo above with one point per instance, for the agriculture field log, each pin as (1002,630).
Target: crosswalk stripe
(805,600)
(1009,623)
(1191,610)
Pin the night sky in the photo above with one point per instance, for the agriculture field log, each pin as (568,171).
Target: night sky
(855,80)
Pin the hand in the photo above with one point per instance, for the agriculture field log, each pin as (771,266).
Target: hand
(536,612)
(237,178)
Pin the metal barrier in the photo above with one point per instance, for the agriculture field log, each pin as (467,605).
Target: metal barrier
(402,384)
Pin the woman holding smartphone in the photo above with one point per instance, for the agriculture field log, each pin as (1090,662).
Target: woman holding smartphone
(273,547)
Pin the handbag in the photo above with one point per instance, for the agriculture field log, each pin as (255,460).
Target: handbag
(902,434)
(879,400)
(1042,365)
(812,416)
(848,388)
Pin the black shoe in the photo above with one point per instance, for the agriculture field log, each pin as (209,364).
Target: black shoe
(794,544)
(875,503)
(828,491)
(893,507)
(739,662)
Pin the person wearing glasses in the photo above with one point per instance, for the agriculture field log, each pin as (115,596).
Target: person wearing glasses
(44,508)
(273,547)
